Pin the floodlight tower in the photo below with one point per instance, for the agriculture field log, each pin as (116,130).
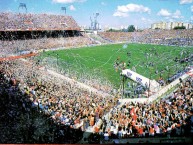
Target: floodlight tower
(22,6)
(63,9)
(91,24)
(94,24)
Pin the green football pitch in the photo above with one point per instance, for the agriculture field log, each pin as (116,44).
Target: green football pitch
(151,61)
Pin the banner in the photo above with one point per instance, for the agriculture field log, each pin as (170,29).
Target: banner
(146,82)
(136,77)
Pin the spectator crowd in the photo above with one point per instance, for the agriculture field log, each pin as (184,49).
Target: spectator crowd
(20,21)
(161,37)
(43,43)
(170,116)
(42,108)
(64,102)
(68,105)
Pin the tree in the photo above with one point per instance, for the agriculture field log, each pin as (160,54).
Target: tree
(179,27)
(113,30)
(131,28)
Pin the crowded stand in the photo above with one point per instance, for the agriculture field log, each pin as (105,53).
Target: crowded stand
(19,115)
(63,102)
(162,37)
(43,43)
(20,21)
(59,111)
(116,36)
(171,116)
(39,36)
(68,105)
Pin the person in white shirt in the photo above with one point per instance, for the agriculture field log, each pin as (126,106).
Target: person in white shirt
(106,136)
(115,131)
(169,129)
(157,130)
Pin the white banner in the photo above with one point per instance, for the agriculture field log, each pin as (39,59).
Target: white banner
(136,77)
(141,79)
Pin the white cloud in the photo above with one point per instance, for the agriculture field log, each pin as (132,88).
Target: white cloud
(168,15)
(129,8)
(133,8)
(120,14)
(67,1)
(164,13)
(191,18)
(192,8)
(186,1)
(177,15)
(72,8)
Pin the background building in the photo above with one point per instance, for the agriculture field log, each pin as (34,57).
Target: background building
(170,25)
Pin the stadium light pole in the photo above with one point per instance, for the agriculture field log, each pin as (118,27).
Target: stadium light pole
(48,59)
(129,63)
(22,5)
(168,70)
(57,58)
(150,73)
(123,81)
(148,54)
(63,9)
(147,66)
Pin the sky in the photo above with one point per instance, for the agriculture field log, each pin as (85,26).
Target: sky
(112,13)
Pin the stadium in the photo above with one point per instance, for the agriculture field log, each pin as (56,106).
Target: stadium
(60,83)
